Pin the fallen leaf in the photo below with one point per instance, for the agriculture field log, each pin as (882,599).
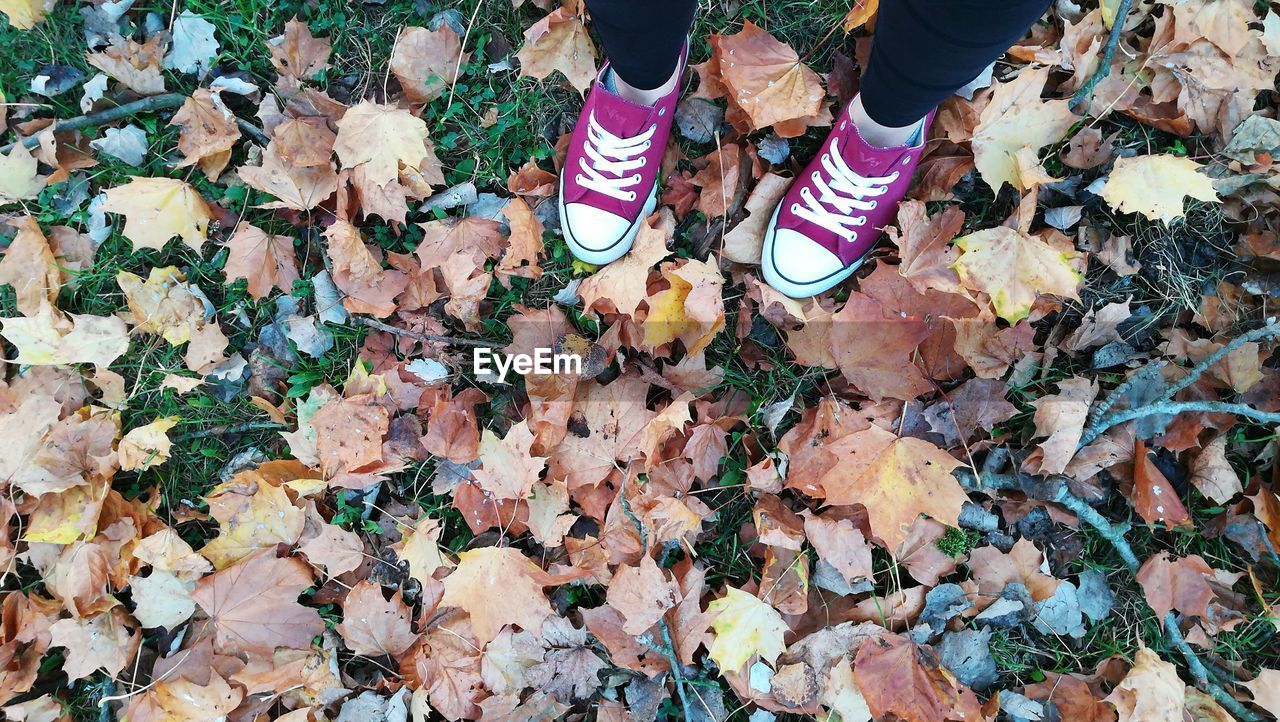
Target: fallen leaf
(253,607)
(641,594)
(902,679)
(745,626)
(1213,475)
(24,14)
(426,61)
(1014,269)
(1061,417)
(1155,185)
(263,260)
(157,209)
(102,641)
(30,267)
(1016,118)
(51,338)
(559,41)
(19,176)
(765,78)
(479,571)
(147,446)
(508,467)
(372,625)
(209,132)
(1150,692)
(298,54)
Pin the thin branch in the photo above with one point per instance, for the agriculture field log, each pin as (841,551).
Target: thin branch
(227,429)
(1203,676)
(252,131)
(1081,98)
(155,102)
(667,648)
(1177,407)
(1113,533)
(424,337)
(1270,330)
(1118,393)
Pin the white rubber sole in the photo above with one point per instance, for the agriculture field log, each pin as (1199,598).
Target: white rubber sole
(619,248)
(786,286)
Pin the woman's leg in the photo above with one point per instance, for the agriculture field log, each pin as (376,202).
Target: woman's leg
(609,182)
(924,50)
(642,38)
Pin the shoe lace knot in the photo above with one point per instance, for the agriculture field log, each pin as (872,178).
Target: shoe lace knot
(842,196)
(609,160)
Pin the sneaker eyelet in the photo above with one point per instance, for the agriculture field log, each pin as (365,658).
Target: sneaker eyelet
(843,123)
(636,179)
(662,111)
(893,176)
(906,161)
(815,176)
(631,196)
(579,179)
(795,207)
(644,160)
(873,206)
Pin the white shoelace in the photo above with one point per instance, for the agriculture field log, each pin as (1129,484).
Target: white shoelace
(610,158)
(844,191)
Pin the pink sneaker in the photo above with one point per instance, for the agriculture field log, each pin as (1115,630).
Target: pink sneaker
(833,214)
(609,182)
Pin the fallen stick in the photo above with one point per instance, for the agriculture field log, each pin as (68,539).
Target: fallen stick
(1204,678)
(1081,98)
(155,102)
(120,112)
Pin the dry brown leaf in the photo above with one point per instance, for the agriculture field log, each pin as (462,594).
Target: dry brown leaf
(264,260)
(372,625)
(765,78)
(559,41)
(426,61)
(253,605)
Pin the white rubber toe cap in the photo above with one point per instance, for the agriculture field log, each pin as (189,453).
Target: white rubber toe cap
(797,266)
(801,260)
(595,235)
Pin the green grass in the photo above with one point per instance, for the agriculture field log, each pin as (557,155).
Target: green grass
(530,116)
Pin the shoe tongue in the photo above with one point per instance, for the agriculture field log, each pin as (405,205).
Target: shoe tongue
(619,115)
(867,160)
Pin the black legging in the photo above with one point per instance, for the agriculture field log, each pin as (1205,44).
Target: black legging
(924,50)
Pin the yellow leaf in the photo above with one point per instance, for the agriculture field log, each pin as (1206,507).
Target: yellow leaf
(691,310)
(18,177)
(29,266)
(1151,692)
(1014,269)
(381,138)
(51,338)
(162,304)
(157,209)
(1154,185)
(862,11)
(421,549)
(1015,119)
(147,446)
(250,521)
(24,14)
(745,626)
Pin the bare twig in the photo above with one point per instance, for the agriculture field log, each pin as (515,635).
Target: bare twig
(667,647)
(1081,98)
(155,102)
(1113,533)
(252,131)
(1177,407)
(424,337)
(226,429)
(1118,393)
(1203,677)
(1270,330)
